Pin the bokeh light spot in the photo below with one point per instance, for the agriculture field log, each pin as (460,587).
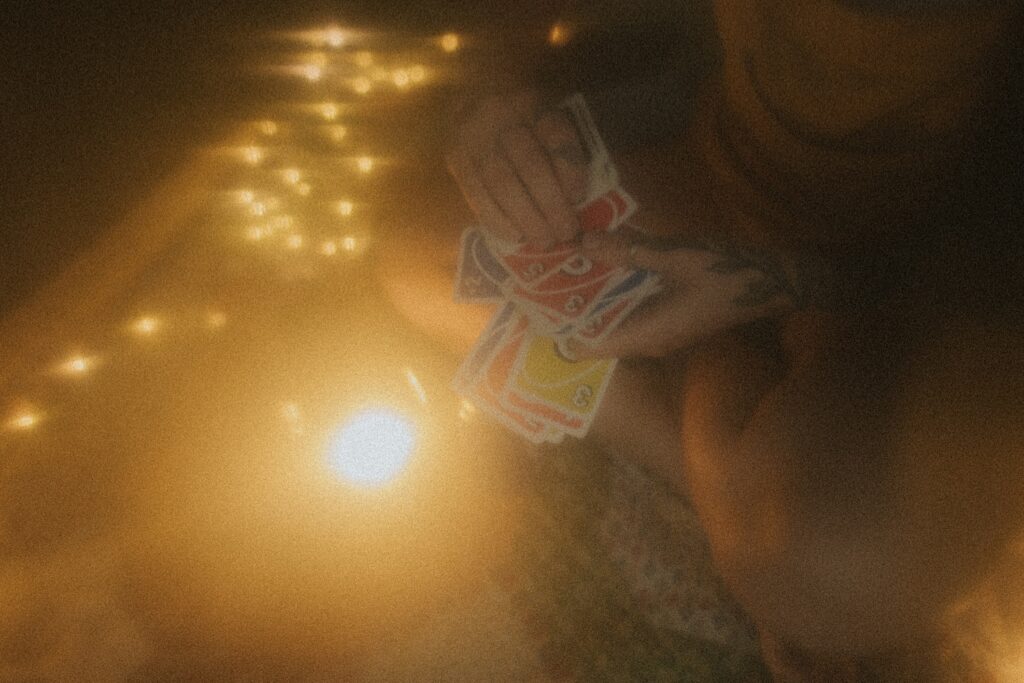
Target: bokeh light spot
(372,448)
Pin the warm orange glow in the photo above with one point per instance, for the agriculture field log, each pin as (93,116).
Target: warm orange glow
(268,127)
(334,37)
(252,155)
(329,111)
(291,175)
(365,164)
(255,233)
(337,133)
(401,78)
(362,85)
(246,196)
(24,420)
(346,207)
(450,42)
(350,244)
(303,189)
(77,366)
(417,73)
(215,320)
(312,72)
(559,35)
(258,209)
(329,248)
(295,242)
(364,59)
(145,326)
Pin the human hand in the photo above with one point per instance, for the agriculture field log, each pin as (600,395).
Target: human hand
(705,292)
(520,166)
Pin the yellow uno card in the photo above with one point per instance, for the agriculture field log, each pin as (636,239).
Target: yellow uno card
(556,389)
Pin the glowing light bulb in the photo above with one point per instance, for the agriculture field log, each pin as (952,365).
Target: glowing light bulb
(268,127)
(362,85)
(295,242)
(401,78)
(450,42)
(246,196)
(559,34)
(364,164)
(372,448)
(312,72)
(334,37)
(146,326)
(346,207)
(24,420)
(363,59)
(329,111)
(77,366)
(329,248)
(417,73)
(349,244)
(414,384)
(303,189)
(258,209)
(291,175)
(337,133)
(282,222)
(252,155)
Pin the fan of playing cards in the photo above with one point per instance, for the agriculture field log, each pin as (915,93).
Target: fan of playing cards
(518,371)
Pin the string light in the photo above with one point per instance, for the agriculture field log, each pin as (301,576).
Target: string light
(401,78)
(346,207)
(364,164)
(334,37)
(450,42)
(350,244)
(329,111)
(417,73)
(303,189)
(23,420)
(313,72)
(255,233)
(337,133)
(258,209)
(291,175)
(559,34)
(246,196)
(216,320)
(362,85)
(76,366)
(268,127)
(146,326)
(329,248)
(253,155)
(295,242)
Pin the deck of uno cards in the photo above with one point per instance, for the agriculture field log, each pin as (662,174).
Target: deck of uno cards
(517,372)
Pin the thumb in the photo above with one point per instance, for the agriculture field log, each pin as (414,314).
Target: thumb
(619,249)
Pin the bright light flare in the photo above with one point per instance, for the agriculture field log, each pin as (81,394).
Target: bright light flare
(450,42)
(329,248)
(252,155)
(336,133)
(329,110)
(295,242)
(268,127)
(401,78)
(346,207)
(77,366)
(291,175)
(372,448)
(334,37)
(365,164)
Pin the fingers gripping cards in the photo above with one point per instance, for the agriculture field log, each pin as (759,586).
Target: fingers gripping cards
(516,372)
